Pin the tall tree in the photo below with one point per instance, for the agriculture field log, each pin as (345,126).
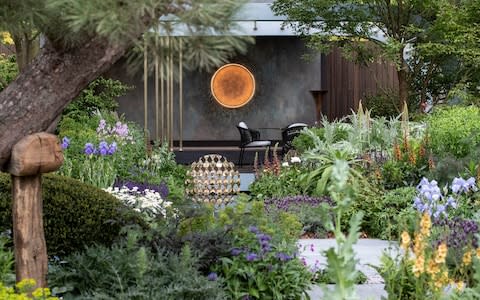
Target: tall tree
(396,29)
(85,38)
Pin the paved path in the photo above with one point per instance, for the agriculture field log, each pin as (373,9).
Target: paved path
(368,252)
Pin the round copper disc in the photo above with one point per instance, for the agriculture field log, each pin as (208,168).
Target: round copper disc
(233,85)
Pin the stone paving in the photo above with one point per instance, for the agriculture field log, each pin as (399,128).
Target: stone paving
(368,252)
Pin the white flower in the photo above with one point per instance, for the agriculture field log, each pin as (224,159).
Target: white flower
(285,164)
(295,159)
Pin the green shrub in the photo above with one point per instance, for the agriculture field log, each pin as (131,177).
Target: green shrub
(383,104)
(454,130)
(269,185)
(100,95)
(75,214)
(128,270)
(8,70)
(387,214)
(303,141)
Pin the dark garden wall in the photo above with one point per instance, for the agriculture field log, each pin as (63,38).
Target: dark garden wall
(283,83)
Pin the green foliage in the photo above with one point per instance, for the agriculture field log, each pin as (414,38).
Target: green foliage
(270,185)
(263,269)
(304,142)
(75,214)
(383,104)
(96,169)
(8,70)
(387,213)
(24,290)
(159,166)
(341,260)
(6,262)
(99,95)
(322,276)
(408,164)
(128,270)
(398,276)
(454,130)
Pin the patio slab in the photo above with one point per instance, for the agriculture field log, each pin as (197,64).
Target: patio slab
(367,251)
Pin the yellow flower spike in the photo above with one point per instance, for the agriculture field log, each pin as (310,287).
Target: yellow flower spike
(425,225)
(418,267)
(467,258)
(441,253)
(478,252)
(419,245)
(432,268)
(405,241)
(459,285)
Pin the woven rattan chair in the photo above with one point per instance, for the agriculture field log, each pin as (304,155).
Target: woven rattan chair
(249,138)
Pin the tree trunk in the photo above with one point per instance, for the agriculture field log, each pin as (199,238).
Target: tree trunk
(26,48)
(402,73)
(38,96)
(28,235)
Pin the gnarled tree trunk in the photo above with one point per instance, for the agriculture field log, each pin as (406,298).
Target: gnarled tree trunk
(34,101)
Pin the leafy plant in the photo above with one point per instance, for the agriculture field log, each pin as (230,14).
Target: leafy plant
(386,213)
(341,260)
(6,262)
(8,70)
(307,209)
(75,214)
(100,95)
(454,130)
(25,289)
(260,268)
(285,183)
(128,270)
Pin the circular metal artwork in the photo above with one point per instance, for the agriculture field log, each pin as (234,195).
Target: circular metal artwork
(233,85)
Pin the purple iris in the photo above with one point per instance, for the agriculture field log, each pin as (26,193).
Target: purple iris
(251,256)
(236,251)
(112,148)
(89,149)
(283,256)
(103,148)
(65,142)
(212,276)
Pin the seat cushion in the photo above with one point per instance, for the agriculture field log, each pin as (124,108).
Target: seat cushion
(297,125)
(258,144)
(242,125)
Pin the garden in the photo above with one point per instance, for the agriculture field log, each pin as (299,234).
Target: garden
(120,225)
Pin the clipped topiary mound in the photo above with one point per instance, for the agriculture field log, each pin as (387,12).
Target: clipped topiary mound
(75,214)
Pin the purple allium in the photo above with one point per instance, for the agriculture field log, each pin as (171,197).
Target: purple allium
(103,148)
(89,149)
(112,148)
(251,256)
(236,251)
(212,276)
(65,142)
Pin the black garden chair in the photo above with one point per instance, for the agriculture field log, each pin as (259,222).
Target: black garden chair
(289,133)
(249,138)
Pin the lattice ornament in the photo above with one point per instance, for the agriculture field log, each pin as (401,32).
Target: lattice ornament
(213,179)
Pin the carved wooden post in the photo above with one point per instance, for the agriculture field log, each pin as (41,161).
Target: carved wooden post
(31,156)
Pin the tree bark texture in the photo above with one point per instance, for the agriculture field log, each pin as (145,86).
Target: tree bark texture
(402,82)
(28,234)
(35,100)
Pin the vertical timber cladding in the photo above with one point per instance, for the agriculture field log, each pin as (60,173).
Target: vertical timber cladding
(347,83)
